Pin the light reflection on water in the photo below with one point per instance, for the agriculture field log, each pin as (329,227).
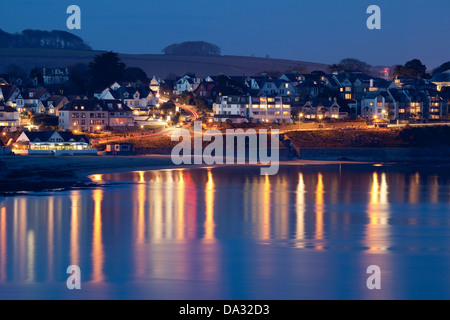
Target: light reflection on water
(229,233)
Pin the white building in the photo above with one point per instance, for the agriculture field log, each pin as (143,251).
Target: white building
(56,142)
(260,109)
(373,105)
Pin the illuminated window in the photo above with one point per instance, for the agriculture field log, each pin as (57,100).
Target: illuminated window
(348,96)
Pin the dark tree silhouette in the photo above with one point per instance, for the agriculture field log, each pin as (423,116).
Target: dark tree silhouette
(106,69)
(42,39)
(79,83)
(192,48)
(36,73)
(133,74)
(443,67)
(414,69)
(350,64)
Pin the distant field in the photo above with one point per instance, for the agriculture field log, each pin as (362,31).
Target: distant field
(155,64)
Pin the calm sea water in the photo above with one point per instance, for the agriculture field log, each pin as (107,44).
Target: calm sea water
(309,232)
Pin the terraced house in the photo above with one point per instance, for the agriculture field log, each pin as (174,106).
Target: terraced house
(93,115)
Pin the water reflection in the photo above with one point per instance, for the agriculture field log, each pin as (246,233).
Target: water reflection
(97,238)
(180,224)
(377,234)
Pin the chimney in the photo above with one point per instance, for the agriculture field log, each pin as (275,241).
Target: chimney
(371,83)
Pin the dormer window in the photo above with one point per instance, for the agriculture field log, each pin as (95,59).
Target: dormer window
(31,94)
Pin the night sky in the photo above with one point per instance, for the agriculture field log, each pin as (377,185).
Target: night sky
(316,30)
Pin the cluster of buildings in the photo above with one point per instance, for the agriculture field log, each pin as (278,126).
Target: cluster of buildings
(259,99)
(320,96)
(115,106)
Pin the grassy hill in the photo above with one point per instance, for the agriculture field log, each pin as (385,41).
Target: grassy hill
(156,64)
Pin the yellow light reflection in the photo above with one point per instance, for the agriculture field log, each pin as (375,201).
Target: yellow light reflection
(74,228)
(180,222)
(414,188)
(300,204)
(319,210)
(50,238)
(283,212)
(3,244)
(377,235)
(209,199)
(266,209)
(141,213)
(141,176)
(168,215)
(156,211)
(30,255)
(97,238)
(23,237)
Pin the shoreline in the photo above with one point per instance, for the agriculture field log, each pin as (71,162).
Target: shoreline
(41,173)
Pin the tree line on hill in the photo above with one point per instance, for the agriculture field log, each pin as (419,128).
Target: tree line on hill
(192,48)
(413,68)
(42,39)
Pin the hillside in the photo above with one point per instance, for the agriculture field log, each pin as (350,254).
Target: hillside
(155,64)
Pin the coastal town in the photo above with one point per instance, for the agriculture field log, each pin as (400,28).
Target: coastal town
(194,156)
(38,118)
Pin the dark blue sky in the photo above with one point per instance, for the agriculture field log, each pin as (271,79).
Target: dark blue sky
(314,30)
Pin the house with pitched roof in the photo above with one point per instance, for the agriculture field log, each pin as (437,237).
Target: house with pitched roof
(30,100)
(52,142)
(186,84)
(94,115)
(320,109)
(54,103)
(9,116)
(9,94)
